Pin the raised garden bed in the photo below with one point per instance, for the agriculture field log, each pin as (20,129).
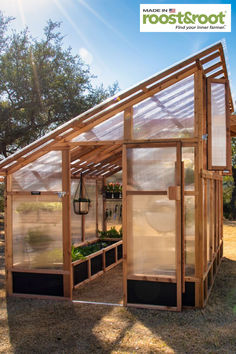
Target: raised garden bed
(95,264)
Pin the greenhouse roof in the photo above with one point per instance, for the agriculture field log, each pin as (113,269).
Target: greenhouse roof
(95,137)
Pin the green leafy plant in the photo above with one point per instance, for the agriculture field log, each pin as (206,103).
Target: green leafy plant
(112,233)
(84,251)
(117,187)
(76,254)
(109,187)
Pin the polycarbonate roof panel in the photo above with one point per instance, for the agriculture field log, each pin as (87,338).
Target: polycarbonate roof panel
(111,129)
(44,174)
(167,114)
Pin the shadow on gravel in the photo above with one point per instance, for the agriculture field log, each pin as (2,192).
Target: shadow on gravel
(38,326)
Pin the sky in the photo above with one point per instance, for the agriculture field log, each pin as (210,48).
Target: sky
(106,34)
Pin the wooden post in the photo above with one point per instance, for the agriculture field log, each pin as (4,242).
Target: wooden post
(124,222)
(8,235)
(182,226)
(128,123)
(199,226)
(128,135)
(179,279)
(66,221)
(205,224)
(104,225)
(96,208)
(82,216)
(212,211)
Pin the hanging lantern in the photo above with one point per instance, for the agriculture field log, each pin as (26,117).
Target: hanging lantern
(81,204)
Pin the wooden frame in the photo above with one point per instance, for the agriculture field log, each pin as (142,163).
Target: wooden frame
(172,196)
(100,159)
(66,205)
(9,239)
(227,123)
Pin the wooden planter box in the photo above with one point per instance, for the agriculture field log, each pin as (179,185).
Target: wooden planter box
(94,265)
(109,239)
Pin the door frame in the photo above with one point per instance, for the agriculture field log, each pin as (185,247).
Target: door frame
(179,220)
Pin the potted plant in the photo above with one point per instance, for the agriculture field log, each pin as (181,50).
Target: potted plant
(117,190)
(109,190)
(120,191)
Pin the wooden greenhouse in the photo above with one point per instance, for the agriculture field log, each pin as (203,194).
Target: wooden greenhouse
(168,139)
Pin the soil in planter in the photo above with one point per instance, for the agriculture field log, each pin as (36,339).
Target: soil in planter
(106,288)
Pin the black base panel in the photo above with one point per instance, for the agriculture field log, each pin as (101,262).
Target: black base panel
(151,293)
(80,272)
(120,252)
(188,298)
(38,284)
(96,264)
(110,257)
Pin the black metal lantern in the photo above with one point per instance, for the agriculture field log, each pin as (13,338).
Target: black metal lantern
(81,204)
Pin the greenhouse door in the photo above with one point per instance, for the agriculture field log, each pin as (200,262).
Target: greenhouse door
(152,225)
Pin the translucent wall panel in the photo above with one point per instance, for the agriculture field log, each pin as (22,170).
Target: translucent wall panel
(189,204)
(151,235)
(37,232)
(218,124)
(167,114)
(114,207)
(188,159)
(151,169)
(44,174)
(90,218)
(114,214)
(111,129)
(75,219)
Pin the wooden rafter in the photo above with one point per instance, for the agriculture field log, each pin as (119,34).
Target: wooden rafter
(105,158)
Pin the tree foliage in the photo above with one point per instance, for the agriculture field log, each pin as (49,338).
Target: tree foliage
(229,187)
(41,85)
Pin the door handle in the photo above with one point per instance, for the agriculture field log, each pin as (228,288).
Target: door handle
(174,193)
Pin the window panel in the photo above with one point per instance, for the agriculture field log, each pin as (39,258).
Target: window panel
(37,232)
(151,169)
(151,223)
(218,125)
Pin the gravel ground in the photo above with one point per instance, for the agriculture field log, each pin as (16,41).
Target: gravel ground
(38,326)
(99,289)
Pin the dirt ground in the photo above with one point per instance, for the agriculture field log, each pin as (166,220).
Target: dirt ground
(33,326)
(98,289)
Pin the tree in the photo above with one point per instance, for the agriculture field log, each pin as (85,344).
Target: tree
(233,199)
(229,187)
(42,85)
